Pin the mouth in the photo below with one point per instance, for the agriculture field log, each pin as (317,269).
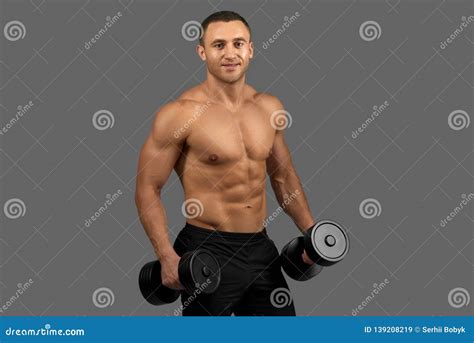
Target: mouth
(230,66)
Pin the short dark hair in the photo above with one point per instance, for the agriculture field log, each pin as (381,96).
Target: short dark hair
(225,16)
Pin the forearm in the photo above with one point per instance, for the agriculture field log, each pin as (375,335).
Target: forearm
(153,218)
(292,199)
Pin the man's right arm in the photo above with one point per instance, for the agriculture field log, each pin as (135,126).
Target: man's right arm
(158,156)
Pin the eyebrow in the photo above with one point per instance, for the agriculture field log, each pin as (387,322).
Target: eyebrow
(223,40)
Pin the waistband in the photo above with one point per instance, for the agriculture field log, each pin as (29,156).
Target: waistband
(232,236)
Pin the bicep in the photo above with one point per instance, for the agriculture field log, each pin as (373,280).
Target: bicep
(279,161)
(156,163)
(160,152)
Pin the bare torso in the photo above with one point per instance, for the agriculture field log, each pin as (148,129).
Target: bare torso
(222,163)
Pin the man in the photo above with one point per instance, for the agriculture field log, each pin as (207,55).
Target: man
(221,139)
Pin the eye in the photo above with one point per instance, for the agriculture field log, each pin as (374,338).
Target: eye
(239,44)
(219,45)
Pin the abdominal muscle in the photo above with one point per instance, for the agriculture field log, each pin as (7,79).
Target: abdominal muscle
(227,199)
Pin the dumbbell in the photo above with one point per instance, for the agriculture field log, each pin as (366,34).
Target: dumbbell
(326,243)
(197,270)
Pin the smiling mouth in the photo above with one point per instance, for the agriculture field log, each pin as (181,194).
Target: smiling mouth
(231,65)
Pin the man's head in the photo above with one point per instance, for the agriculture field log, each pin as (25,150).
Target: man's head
(225,45)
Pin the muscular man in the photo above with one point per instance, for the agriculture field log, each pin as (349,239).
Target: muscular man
(221,139)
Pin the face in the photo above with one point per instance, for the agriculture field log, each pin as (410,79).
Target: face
(227,50)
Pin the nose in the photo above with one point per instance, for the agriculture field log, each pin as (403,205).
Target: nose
(229,52)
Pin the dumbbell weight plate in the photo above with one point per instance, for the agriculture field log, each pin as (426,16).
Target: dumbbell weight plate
(151,287)
(326,243)
(199,269)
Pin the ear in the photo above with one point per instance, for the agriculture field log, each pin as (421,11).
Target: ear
(251,49)
(200,51)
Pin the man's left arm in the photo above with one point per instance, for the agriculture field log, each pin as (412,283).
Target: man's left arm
(285,182)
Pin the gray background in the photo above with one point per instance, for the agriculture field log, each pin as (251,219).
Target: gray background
(329,79)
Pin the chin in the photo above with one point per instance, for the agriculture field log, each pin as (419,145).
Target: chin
(226,77)
(231,78)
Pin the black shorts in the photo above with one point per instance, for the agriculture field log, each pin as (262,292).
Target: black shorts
(252,282)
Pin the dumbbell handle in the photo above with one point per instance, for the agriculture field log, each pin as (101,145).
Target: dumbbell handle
(291,260)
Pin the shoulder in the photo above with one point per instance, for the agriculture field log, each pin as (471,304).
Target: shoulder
(193,95)
(169,112)
(170,122)
(180,109)
(275,111)
(268,103)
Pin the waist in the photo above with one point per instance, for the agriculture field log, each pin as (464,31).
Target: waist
(226,235)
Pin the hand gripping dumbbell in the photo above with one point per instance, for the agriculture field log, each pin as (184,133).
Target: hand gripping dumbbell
(197,270)
(326,243)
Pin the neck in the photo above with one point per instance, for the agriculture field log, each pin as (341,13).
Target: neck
(228,94)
